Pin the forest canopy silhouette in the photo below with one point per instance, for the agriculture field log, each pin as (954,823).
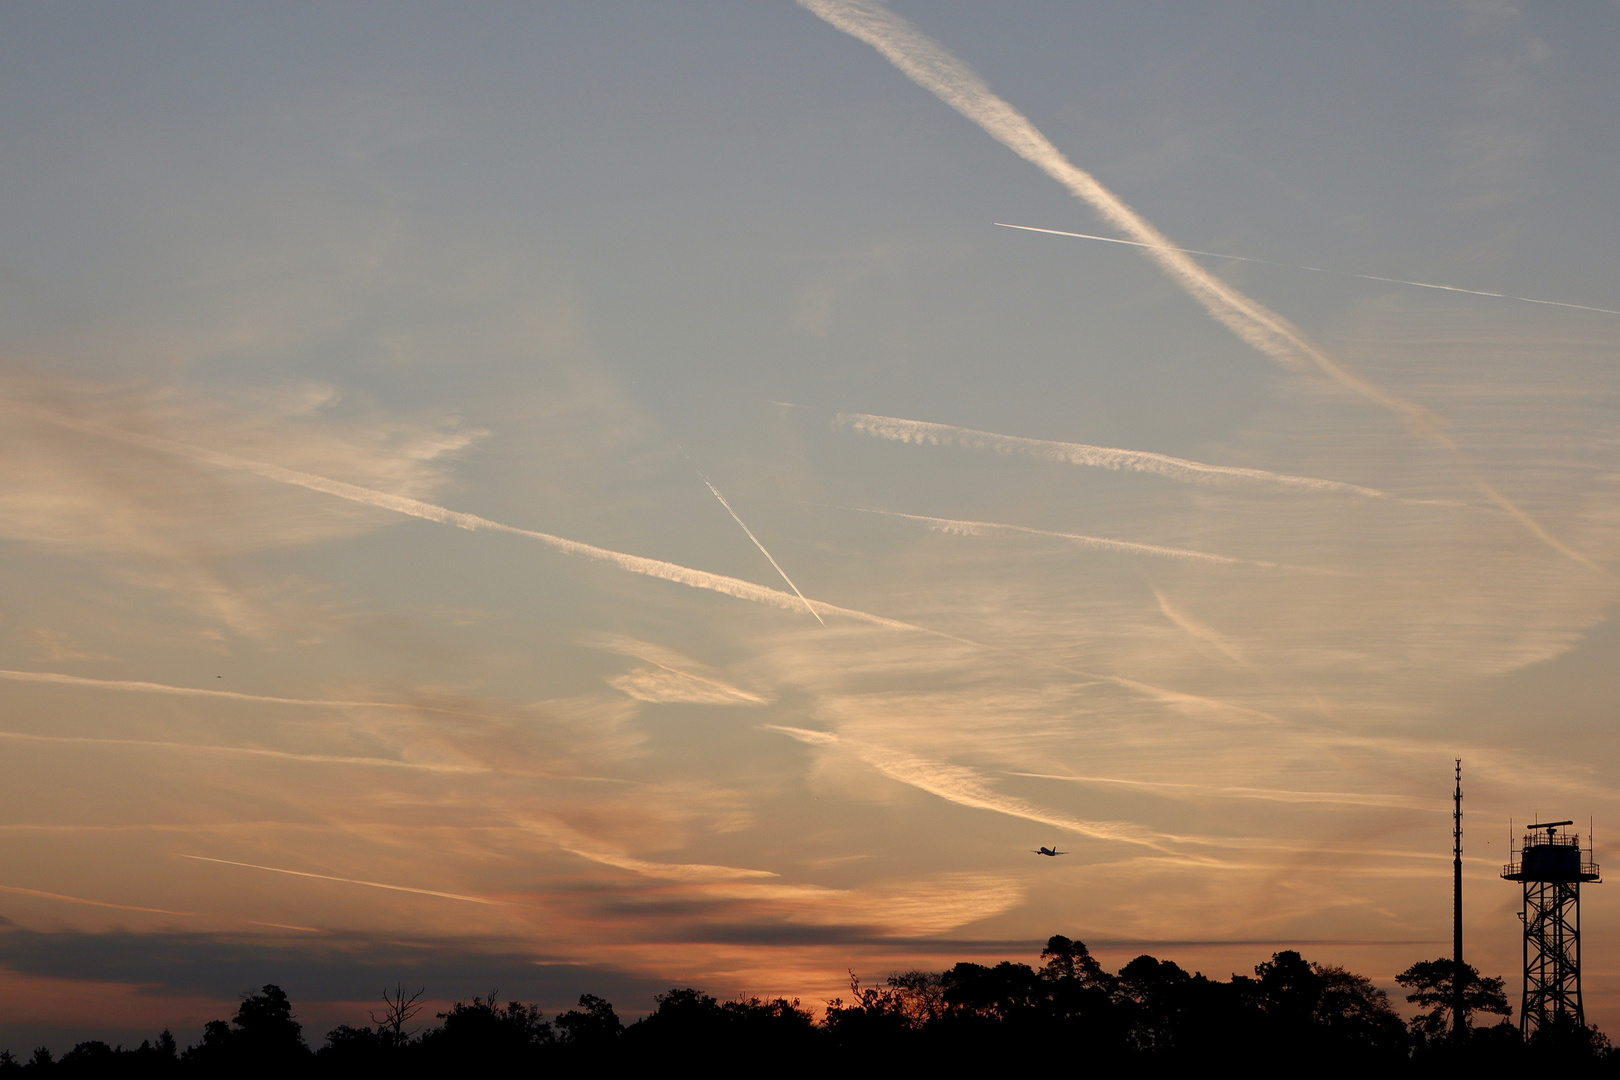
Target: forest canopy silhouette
(1290,1011)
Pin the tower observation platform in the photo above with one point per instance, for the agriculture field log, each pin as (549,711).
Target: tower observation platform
(1552,866)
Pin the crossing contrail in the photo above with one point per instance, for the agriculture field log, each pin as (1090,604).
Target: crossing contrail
(933,67)
(896,429)
(400,504)
(761,547)
(673,572)
(1316,269)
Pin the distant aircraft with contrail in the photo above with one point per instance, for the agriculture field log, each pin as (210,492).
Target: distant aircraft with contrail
(1314,269)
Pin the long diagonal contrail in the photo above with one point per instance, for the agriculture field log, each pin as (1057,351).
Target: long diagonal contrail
(141,687)
(241,751)
(933,67)
(896,429)
(1316,269)
(1100,543)
(707,482)
(345,880)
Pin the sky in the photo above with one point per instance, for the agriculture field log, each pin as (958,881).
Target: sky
(587,497)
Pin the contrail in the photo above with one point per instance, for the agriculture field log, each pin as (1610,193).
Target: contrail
(1201,630)
(91,903)
(1315,269)
(1128,547)
(931,66)
(761,547)
(1337,798)
(151,910)
(896,429)
(134,686)
(635,564)
(657,568)
(344,880)
(244,751)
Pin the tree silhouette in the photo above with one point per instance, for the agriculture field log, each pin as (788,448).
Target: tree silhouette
(1355,1017)
(1431,983)
(1066,959)
(594,1025)
(262,1039)
(1152,1016)
(488,1036)
(919,995)
(1007,992)
(398,1010)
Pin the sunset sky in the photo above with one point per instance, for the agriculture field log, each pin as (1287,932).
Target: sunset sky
(586,497)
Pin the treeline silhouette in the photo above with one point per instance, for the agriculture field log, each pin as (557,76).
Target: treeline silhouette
(1290,1014)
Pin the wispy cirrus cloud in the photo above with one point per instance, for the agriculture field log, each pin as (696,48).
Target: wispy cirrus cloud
(964,786)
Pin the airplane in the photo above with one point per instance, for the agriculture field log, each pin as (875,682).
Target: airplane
(1048,851)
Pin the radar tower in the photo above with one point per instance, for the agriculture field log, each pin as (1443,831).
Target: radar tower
(1551,868)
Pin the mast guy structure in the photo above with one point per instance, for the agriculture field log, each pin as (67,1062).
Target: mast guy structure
(1457,980)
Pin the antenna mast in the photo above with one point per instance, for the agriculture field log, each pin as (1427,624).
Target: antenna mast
(1457,977)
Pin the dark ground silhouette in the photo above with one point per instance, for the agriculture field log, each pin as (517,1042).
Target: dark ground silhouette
(1291,1014)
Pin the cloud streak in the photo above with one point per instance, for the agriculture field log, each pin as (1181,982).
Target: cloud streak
(671,871)
(1201,630)
(965,787)
(896,429)
(660,684)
